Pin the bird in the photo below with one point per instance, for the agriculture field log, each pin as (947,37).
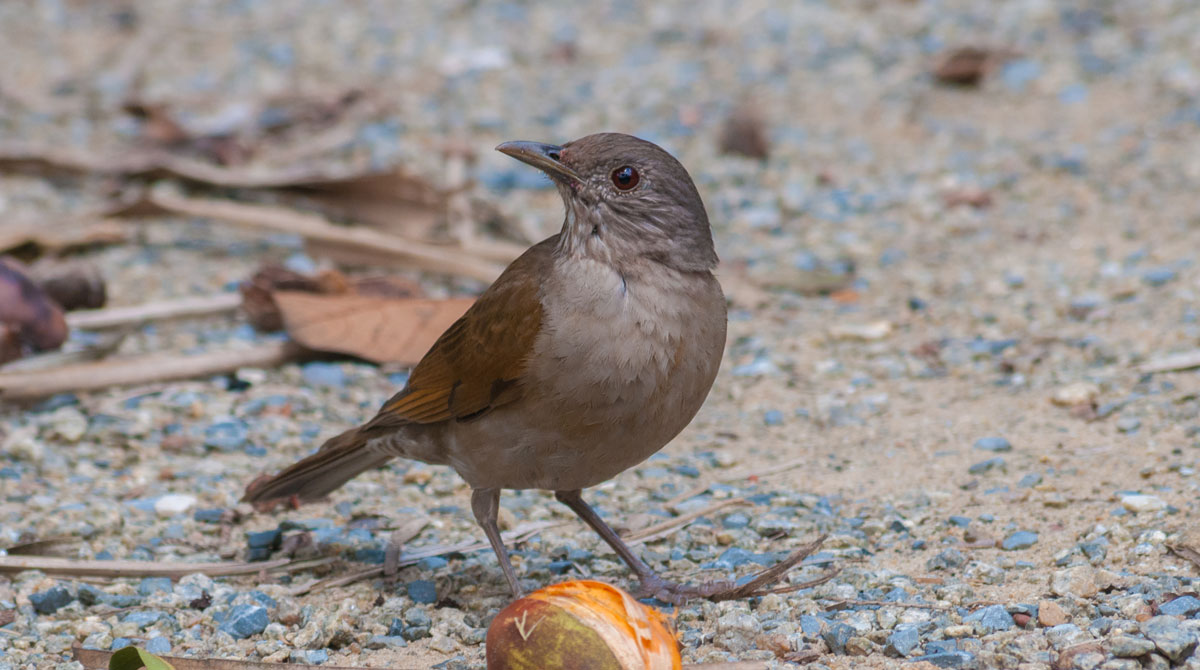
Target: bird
(587,355)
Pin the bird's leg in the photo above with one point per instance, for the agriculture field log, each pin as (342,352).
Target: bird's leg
(656,586)
(485,504)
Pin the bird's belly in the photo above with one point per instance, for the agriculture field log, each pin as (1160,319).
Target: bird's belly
(615,383)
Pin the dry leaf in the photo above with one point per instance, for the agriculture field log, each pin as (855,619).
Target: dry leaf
(381,330)
(258,293)
(744,134)
(394,201)
(26,309)
(32,241)
(963,66)
(72,284)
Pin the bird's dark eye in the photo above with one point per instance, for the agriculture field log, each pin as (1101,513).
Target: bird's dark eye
(625,178)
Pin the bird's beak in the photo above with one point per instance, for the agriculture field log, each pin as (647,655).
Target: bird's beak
(545,157)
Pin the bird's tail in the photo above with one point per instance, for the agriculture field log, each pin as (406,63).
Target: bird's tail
(338,461)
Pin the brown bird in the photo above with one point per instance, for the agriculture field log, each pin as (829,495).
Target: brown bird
(589,353)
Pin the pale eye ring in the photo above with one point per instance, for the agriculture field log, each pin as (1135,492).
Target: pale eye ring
(625,177)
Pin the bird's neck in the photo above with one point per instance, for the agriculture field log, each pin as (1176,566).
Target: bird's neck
(625,246)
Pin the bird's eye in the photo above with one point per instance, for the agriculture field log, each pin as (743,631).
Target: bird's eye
(625,178)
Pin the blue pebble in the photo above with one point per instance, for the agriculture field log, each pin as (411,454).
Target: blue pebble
(422,591)
(158,645)
(918,545)
(734,557)
(990,464)
(264,539)
(1030,480)
(773,417)
(51,600)
(1159,276)
(903,641)
(309,656)
(10,473)
(1017,75)
(144,618)
(991,618)
(209,515)
(994,444)
(1022,539)
(811,625)
(432,563)
(941,646)
(687,471)
(559,567)
(242,621)
(961,521)
(396,628)
(836,636)
(151,585)
(370,555)
(1182,606)
(121,643)
(950,659)
(319,373)
(735,520)
(229,435)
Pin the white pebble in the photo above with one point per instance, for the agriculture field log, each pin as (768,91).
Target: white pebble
(174,504)
(1137,503)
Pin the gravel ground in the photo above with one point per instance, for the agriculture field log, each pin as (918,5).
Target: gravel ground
(965,418)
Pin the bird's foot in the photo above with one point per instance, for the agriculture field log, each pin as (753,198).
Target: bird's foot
(759,584)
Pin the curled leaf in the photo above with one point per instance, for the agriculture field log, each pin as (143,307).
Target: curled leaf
(27,311)
(581,624)
(132,658)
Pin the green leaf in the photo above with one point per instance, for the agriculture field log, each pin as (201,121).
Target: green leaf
(132,658)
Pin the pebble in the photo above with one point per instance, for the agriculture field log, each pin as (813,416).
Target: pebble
(1138,503)
(990,619)
(1182,606)
(1022,539)
(948,659)
(903,641)
(158,645)
(1050,614)
(836,636)
(51,600)
(318,373)
(242,621)
(987,466)
(174,504)
(1127,646)
(422,591)
(993,444)
(1172,640)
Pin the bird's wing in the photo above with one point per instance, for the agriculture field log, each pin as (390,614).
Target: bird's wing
(477,364)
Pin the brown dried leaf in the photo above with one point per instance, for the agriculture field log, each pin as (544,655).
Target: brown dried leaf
(32,241)
(964,66)
(394,201)
(25,307)
(73,284)
(381,330)
(744,134)
(258,300)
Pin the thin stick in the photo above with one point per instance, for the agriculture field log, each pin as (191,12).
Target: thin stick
(658,530)
(519,534)
(106,344)
(53,565)
(735,476)
(141,370)
(423,256)
(180,308)
(1172,363)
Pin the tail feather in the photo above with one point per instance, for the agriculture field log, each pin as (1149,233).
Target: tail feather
(338,461)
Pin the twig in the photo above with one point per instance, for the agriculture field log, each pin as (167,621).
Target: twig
(775,573)
(180,308)
(105,345)
(519,534)
(420,255)
(141,370)
(1185,552)
(53,565)
(846,604)
(396,541)
(659,530)
(761,473)
(1185,360)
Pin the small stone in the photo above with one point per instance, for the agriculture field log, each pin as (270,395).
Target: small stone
(151,585)
(735,521)
(990,464)
(1029,481)
(69,423)
(385,641)
(1078,581)
(422,591)
(158,645)
(1159,276)
(1183,606)
(1073,395)
(1128,424)
(860,646)
(242,621)
(993,444)
(308,656)
(990,619)
(1022,539)
(865,332)
(773,417)
(950,558)
(1066,635)
(227,435)
(1138,503)
(319,373)
(836,636)
(902,641)
(1128,646)
(949,659)
(51,600)
(174,504)
(1172,640)
(1050,614)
